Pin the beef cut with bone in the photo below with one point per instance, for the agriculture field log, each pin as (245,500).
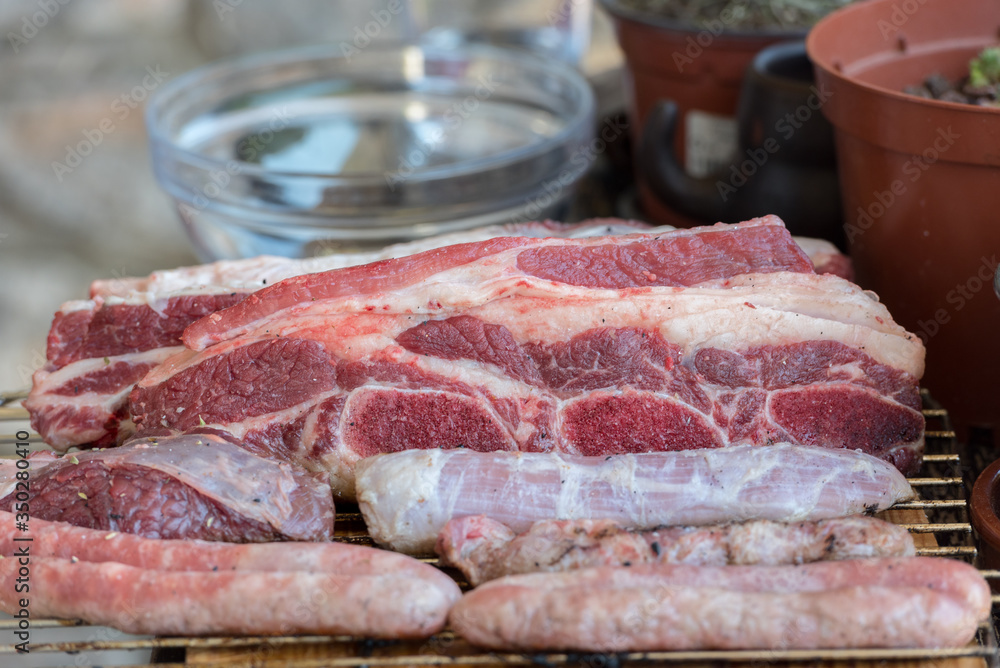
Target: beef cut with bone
(100,347)
(693,339)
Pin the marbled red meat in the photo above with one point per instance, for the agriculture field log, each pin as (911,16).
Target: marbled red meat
(460,348)
(138,322)
(192,486)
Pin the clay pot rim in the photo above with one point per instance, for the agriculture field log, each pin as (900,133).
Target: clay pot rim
(623,12)
(842,20)
(982,511)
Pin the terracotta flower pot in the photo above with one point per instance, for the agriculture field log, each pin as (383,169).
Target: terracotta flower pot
(984,511)
(700,69)
(920,183)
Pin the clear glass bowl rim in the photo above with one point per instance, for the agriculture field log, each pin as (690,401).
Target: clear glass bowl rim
(577,124)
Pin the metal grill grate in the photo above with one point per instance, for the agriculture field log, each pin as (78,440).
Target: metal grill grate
(938,520)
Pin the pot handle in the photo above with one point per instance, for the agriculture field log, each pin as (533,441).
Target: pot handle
(695,197)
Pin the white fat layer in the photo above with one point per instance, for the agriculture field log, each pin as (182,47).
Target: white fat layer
(236,475)
(425,498)
(254,273)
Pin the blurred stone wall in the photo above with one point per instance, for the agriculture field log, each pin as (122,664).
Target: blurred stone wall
(77,196)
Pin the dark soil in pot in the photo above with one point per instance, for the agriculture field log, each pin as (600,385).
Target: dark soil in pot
(748,15)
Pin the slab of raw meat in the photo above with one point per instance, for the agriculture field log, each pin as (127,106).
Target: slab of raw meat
(895,602)
(408,497)
(480,346)
(192,486)
(130,324)
(192,587)
(99,348)
(484,549)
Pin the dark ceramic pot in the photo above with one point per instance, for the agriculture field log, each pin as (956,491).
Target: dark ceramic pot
(701,70)
(785,163)
(921,184)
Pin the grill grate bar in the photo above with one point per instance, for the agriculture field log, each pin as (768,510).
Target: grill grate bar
(42,623)
(12,413)
(933,482)
(509,659)
(943,434)
(947,551)
(11,397)
(929,504)
(934,528)
(213,642)
(940,458)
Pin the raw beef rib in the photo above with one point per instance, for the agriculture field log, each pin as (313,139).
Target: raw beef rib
(690,339)
(99,348)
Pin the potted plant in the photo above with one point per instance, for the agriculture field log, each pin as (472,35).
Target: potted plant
(920,183)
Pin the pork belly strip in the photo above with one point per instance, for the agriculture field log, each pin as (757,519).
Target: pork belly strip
(893,602)
(408,497)
(142,601)
(484,549)
(191,486)
(672,259)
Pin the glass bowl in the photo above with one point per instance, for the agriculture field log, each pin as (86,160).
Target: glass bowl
(318,150)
